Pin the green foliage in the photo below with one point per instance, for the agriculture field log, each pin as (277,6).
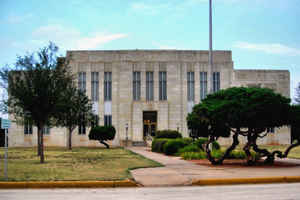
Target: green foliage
(102,133)
(172,146)
(168,134)
(189,148)
(36,86)
(193,155)
(158,144)
(201,141)
(257,108)
(216,145)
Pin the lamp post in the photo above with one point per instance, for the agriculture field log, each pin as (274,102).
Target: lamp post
(126,128)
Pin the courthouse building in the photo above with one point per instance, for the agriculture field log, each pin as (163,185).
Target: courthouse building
(149,90)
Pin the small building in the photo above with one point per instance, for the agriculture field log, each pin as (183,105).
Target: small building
(149,90)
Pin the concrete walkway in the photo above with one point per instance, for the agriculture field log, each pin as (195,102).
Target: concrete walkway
(178,172)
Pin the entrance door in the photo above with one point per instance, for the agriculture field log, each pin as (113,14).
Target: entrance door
(150,123)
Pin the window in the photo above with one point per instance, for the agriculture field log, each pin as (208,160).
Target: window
(162,85)
(190,86)
(107,86)
(46,130)
(81,126)
(203,85)
(27,127)
(149,86)
(82,81)
(216,81)
(107,120)
(136,86)
(95,86)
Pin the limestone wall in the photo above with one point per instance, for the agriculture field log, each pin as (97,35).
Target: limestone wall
(171,113)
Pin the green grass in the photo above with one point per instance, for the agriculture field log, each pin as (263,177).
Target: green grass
(78,164)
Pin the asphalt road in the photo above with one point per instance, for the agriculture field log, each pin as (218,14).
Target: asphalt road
(236,192)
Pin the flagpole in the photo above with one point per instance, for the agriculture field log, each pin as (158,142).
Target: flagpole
(210,55)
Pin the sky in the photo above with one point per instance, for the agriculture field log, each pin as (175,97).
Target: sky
(262,34)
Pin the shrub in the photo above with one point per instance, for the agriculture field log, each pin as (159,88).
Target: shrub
(173,145)
(217,153)
(172,134)
(201,141)
(157,145)
(189,148)
(216,145)
(102,133)
(186,141)
(237,154)
(193,155)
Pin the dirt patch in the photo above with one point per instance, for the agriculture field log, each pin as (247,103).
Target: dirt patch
(243,164)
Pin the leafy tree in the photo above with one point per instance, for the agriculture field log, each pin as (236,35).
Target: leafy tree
(102,134)
(75,107)
(243,111)
(36,84)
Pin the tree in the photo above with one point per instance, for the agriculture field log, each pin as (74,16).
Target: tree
(248,112)
(75,107)
(102,134)
(35,86)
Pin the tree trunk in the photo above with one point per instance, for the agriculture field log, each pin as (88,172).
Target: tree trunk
(70,139)
(219,161)
(39,142)
(102,142)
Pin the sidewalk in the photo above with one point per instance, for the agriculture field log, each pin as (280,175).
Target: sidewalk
(180,172)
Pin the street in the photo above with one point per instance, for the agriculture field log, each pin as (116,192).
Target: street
(235,192)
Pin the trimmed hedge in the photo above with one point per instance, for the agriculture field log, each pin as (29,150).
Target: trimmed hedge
(172,146)
(172,134)
(193,155)
(158,144)
(169,146)
(190,148)
(102,133)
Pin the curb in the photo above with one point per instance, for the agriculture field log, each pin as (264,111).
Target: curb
(260,180)
(67,184)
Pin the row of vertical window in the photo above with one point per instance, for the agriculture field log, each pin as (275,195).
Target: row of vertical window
(28,129)
(203,84)
(136,82)
(95,85)
(149,86)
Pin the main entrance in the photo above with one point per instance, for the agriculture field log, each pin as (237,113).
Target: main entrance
(150,123)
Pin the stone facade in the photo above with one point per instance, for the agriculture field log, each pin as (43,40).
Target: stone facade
(165,114)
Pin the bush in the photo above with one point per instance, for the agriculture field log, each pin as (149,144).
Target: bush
(237,154)
(189,148)
(172,134)
(158,144)
(201,141)
(186,141)
(102,133)
(193,155)
(172,146)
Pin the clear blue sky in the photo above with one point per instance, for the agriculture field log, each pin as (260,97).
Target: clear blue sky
(262,34)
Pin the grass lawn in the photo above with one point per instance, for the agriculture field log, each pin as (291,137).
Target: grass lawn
(78,164)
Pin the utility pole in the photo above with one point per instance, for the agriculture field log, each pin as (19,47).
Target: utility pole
(210,55)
